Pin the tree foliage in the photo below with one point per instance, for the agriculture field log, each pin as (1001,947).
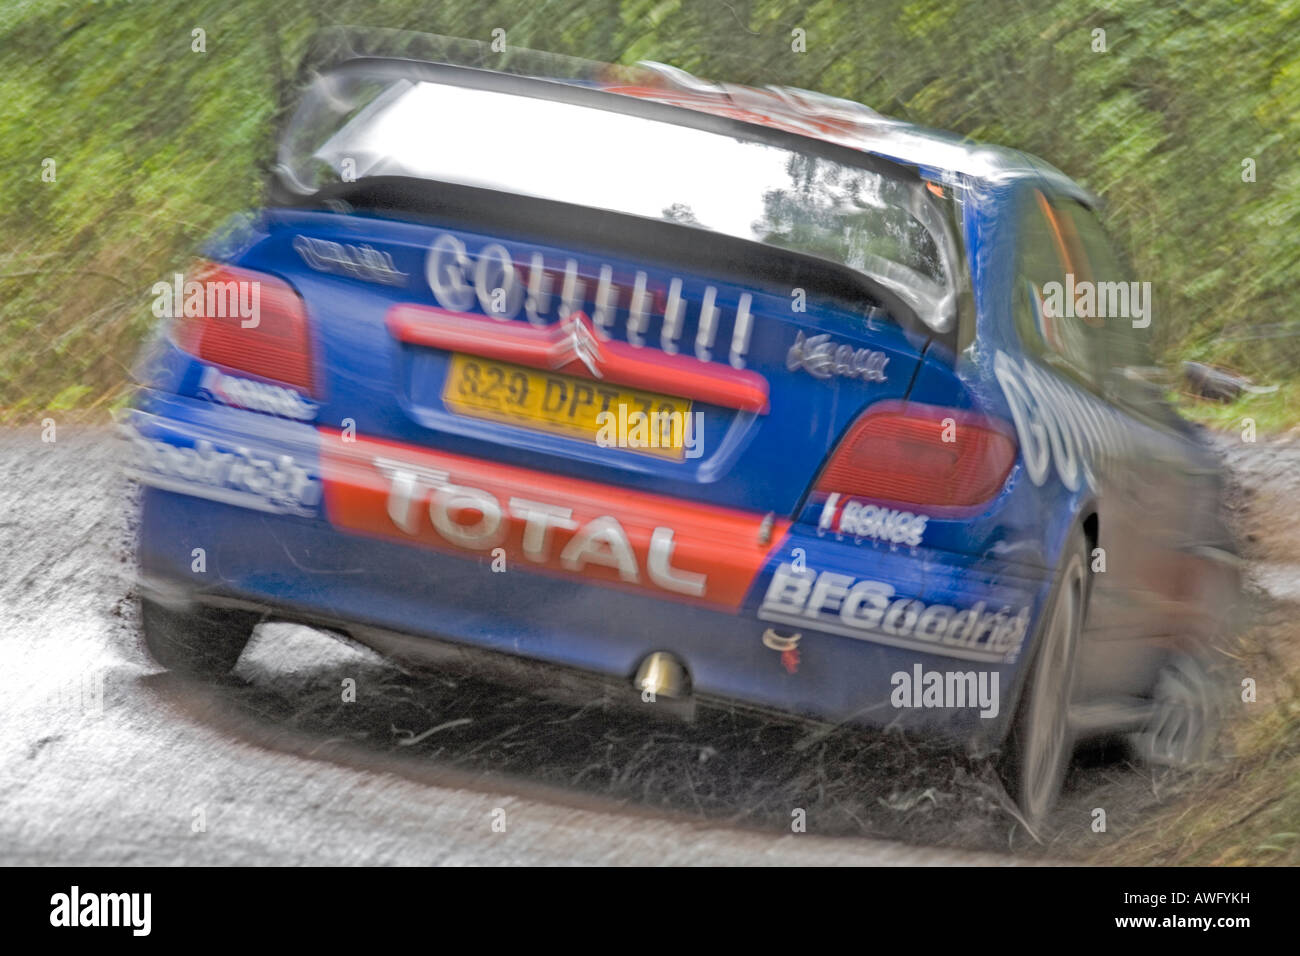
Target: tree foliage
(154,144)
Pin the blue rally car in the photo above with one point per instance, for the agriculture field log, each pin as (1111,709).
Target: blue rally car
(747,396)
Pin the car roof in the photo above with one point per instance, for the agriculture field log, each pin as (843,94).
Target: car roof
(847,123)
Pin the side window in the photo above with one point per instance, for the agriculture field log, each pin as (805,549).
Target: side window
(1051,258)
(1122,305)
(1122,308)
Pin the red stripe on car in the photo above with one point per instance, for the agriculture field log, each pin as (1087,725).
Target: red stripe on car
(571,347)
(600,534)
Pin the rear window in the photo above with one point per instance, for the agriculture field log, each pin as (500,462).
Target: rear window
(350,127)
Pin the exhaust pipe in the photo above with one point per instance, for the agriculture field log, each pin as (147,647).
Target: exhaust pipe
(661,675)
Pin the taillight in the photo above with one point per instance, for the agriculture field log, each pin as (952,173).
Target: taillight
(920,455)
(248,321)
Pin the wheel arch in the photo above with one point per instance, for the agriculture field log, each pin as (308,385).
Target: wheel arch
(1087,521)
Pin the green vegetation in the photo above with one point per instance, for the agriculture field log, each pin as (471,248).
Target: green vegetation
(1272,413)
(1247,811)
(154,144)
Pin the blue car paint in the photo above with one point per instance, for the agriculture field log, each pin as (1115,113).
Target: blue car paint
(1004,553)
(305,566)
(751,476)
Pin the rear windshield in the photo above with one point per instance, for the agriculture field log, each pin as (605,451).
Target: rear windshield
(354,125)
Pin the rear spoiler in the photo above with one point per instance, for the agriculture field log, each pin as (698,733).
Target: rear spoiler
(899,295)
(723,257)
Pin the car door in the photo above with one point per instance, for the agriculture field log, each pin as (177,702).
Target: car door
(1167,478)
(1050,261)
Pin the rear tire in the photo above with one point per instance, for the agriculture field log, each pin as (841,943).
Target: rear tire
(1041,742)
(198,641)
(1185,719)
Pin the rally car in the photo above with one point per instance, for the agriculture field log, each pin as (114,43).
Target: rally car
(751,397)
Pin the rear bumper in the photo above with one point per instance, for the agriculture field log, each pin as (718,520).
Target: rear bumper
(809,626)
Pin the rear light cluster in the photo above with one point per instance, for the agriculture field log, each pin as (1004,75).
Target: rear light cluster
(272,339)
(920,455)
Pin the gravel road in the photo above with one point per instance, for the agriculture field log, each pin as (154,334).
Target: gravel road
(106,760)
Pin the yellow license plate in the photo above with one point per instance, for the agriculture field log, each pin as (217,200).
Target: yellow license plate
(638,421)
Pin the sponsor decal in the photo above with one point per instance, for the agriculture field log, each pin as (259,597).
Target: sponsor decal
(599,533)
(947,689)
(785,645)
(502,288)
(863,520)
(360,262)
(822,358)
(254,395)
(274,483)
(872,611)
(1058,426)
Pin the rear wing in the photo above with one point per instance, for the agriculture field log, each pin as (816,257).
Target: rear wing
(800,123)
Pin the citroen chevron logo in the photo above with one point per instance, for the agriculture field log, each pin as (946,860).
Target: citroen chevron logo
(579,342)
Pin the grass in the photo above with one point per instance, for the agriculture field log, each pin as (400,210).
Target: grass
(1272,413)
(1246,813)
